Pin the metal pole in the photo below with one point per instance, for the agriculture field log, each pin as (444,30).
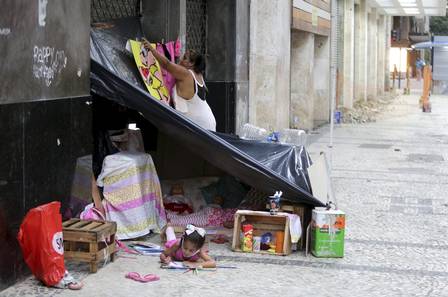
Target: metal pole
(333,80)
(399,72)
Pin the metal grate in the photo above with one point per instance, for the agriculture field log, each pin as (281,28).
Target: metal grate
(105,10)
(196,25)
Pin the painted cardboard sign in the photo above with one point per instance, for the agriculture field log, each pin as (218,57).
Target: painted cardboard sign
(150,71)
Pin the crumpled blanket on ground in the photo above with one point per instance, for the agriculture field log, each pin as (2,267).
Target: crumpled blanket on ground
(207,217)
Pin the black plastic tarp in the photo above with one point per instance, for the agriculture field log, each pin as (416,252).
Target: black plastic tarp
(265,166)
(288,161)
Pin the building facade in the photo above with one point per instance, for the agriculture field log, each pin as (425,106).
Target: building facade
(270,64)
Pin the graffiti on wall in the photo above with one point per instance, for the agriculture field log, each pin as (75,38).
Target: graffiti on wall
(5,31)
(42,12)
(48,63)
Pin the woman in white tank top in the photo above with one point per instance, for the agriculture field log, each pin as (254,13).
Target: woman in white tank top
(190,92)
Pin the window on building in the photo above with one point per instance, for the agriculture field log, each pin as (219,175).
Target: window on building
(197,25)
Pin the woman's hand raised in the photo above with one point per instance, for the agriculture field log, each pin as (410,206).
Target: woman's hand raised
(146,44)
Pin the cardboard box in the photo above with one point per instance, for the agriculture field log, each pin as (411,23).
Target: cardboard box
(327,233)
(263,222)
(304,212)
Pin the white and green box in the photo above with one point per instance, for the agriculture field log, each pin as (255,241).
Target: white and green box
(327,233)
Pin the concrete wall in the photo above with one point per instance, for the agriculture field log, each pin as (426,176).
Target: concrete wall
(302,80)
(269,66)
(45,47)
(321,75)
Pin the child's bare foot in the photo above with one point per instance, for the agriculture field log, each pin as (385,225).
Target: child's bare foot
(75,286)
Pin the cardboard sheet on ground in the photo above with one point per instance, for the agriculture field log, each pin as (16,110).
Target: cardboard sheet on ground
(319,179)
(150,71)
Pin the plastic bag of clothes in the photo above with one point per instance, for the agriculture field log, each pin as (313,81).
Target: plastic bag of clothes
(90,212)
(40,237)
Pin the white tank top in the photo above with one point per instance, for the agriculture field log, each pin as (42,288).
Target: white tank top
(195,109)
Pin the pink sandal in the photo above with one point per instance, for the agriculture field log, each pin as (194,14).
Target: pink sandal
(143,279)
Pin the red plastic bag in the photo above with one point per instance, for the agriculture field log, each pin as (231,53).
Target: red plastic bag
(40,237)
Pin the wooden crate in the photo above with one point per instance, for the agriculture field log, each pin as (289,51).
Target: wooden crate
(89,241)
(265,222)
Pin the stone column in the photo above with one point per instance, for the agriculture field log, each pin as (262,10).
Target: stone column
(381,53)
(372,55)
(302,80)
(387,53)
(242,63)
(269,63)
(321,84)
(348,54)
(361,58)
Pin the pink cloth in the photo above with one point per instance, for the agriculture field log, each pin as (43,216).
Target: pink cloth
(177,47)
(173,48)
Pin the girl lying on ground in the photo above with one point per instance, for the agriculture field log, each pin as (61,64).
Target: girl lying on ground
(189,248)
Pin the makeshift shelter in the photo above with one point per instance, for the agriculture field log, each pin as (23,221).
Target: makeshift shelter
(265,166)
